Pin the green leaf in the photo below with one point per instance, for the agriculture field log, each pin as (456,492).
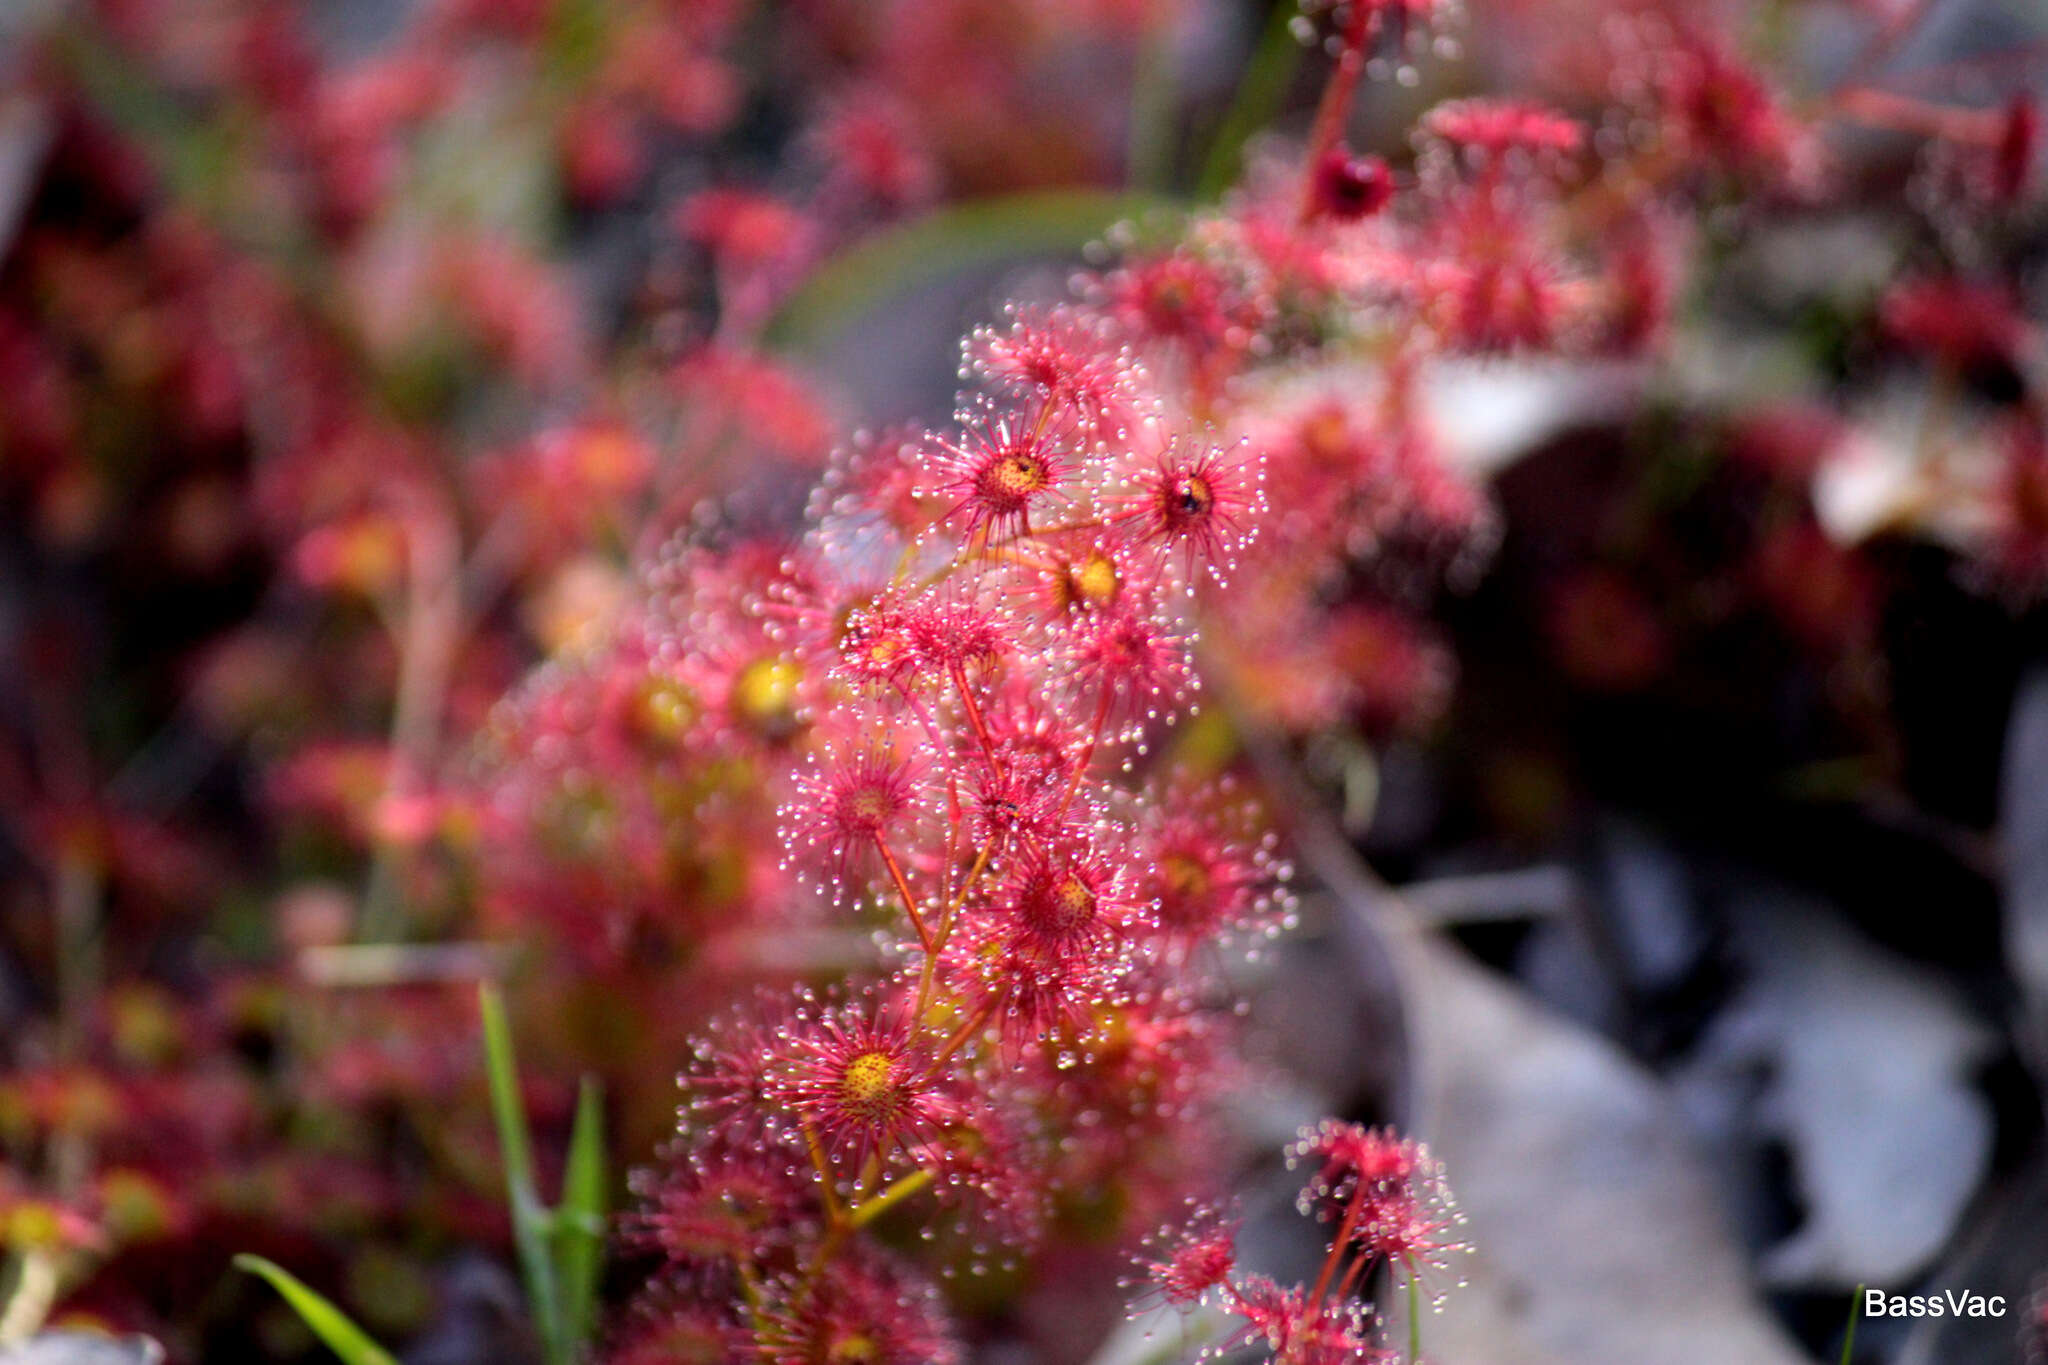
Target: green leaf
(978,232)
(531,1223)
(1260,92)
(329,1323)
(580,1220)
(1149,151)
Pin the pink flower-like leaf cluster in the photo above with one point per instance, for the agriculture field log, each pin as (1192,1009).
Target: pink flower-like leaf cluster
(952,689)
(1385,1196)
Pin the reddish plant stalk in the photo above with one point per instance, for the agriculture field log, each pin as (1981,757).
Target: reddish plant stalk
(1335,107)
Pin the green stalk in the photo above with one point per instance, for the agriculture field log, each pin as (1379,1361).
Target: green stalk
(1260,92)
(532,1226)
(580,1221)
(888,1199)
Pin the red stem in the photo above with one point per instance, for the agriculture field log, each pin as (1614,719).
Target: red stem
(1351,1276)
(959,1039)
(1337,1247)
(1087,755)
(1335,108)
(903,889)
(967,703)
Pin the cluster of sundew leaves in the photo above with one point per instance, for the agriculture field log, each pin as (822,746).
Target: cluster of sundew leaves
(1007,612)
(1389,1210)
(981,637)
(1255,325)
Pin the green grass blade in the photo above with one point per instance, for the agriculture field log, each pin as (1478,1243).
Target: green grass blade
(979,232)
(329,1323)
(580,1219)
(1260,92)
(531,1223)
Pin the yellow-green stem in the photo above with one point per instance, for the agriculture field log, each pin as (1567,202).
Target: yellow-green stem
(1849,1335)
(871,1209)
(825,1178)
